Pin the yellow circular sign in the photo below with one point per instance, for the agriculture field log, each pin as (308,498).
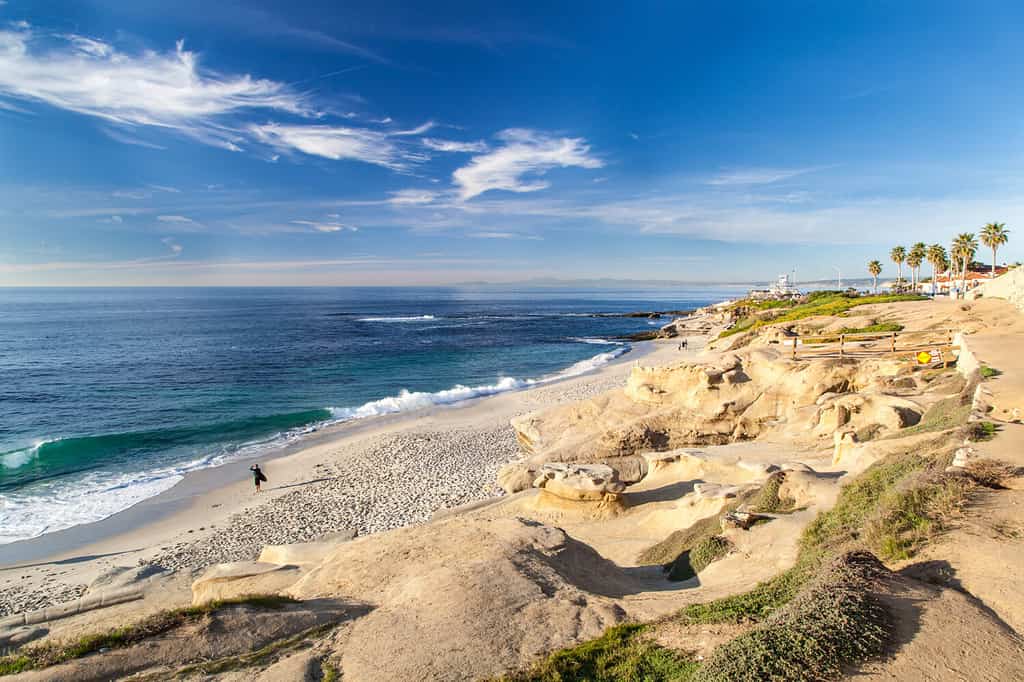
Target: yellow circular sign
(924,357)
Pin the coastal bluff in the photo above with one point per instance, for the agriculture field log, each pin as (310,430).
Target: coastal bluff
(699,511)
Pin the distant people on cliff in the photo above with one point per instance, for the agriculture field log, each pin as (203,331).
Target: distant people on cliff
(258,476)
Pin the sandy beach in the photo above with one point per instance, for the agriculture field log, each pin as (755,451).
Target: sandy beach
(360,477)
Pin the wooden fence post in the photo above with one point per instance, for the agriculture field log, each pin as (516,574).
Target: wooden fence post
(894,342)
(795,339)
(842,341)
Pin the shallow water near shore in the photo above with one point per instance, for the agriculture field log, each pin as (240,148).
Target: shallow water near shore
(110,396)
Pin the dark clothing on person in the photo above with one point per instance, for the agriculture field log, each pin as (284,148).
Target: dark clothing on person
(257,476)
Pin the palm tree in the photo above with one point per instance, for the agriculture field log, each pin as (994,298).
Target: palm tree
(964,248)
(875,268)
(898,255)
(936,255)
(914,259)
(993,236)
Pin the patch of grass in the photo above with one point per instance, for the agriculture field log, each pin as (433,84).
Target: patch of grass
(891,508)
(768,501)
(43,656)
(328,672)
(752,606)
(945,414)
(880,328)
(12,665)
(982,431)
(621,654)
(680,541)
(833,619)
(988,372)
(817,303)
(704,553)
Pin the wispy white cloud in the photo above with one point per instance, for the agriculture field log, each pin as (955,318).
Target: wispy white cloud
(119,136)
(173,245)
(166,188)
(523,153)
(759,176)
(339,142)
(407,197)
(113,220)
(165,90)
(175,219)
(454,145)
(326,226)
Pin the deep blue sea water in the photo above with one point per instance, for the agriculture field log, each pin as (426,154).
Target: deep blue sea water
(109,396)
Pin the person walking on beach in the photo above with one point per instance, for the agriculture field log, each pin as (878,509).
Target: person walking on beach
(257,476)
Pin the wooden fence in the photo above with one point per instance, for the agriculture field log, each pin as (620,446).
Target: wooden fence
(874,344)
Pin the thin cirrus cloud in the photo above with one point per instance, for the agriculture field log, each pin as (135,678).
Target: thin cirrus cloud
(524,154)
(412,197)
(758,176)
(325,226)
(175,219)
(164,90)
(173,245)
(340,142)
(454,146)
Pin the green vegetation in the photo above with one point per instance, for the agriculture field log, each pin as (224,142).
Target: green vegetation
(328,672)
(880,328)
(834,619)
(982,431)
(947,413)
(693,561)
(621,654)
(819,615)
(993,236)
(680,541)
(815,303)
(988,372)
(768,500)
(875,269)
(42,656)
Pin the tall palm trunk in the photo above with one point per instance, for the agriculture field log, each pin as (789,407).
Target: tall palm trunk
(993,262)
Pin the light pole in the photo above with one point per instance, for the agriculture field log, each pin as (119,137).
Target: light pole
(839,277)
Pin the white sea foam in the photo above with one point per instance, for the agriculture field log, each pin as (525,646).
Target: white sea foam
(413,318)
(416,400)
(56,504)
(596,342)
(19,458)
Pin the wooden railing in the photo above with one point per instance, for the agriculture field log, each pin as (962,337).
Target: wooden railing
(870,344)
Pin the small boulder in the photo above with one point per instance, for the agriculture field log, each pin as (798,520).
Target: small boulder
(583,482)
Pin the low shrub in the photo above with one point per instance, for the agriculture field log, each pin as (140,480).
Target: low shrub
(620,654)
(833,619)
(703,554)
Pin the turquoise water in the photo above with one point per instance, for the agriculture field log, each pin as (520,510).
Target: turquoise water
(109,396)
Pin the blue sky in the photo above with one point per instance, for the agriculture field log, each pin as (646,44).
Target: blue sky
(255,142)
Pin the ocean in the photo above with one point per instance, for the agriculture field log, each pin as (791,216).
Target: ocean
(111,396)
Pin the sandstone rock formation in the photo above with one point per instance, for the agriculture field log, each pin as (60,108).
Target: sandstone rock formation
(733,397)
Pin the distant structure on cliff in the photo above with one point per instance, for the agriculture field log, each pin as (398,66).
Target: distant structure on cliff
(782,288)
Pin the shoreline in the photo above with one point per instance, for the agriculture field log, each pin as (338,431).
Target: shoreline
(206,479)
(206,505)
